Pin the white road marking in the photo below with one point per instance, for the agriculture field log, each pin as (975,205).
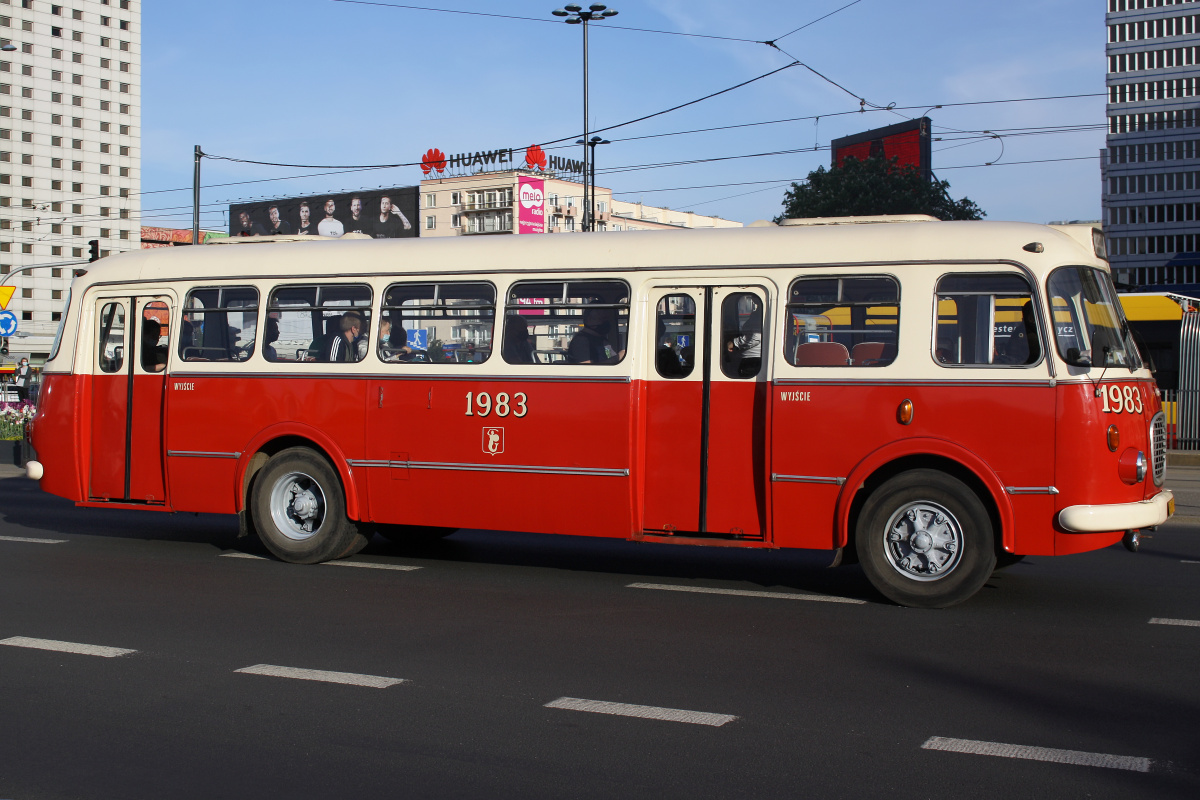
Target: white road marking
(816,598)
(243,555)
(32,541)
(66,647)
(1190,623)
(370,565)
(1050,754)
(353,679)
(1186,561)
(642,712)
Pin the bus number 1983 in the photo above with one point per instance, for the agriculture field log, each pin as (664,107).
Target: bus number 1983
(480,404)
(1119,399)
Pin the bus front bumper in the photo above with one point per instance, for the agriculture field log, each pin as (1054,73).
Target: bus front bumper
(1119,516)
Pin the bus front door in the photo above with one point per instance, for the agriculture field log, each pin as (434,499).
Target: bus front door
(707,422)
(128,382)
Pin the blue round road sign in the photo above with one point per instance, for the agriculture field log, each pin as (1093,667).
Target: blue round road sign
(8,323)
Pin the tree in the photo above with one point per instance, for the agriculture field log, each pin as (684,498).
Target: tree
(875,186)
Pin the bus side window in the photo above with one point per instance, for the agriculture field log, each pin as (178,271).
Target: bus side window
(572,322)
(675,333)
(111,351)
(986,319)
(155,329)
(219,324)
(437,323)
(837,321)
(318,323)
(741,335)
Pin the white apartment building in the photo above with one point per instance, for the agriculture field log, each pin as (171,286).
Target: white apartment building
(484,203)
(70,148)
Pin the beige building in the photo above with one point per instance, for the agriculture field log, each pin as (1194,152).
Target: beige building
(485,203)
(70,148)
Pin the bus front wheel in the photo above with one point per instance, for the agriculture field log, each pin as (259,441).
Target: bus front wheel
(925,540)
(300,511)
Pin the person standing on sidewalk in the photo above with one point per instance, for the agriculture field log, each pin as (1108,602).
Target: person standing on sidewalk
(21,380)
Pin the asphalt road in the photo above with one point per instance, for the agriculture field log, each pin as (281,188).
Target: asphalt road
(532,667)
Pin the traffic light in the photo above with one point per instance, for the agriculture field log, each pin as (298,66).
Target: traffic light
(94,250)
(4,347)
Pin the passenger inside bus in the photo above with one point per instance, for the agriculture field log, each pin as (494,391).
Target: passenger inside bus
(742,329)
(590,345)
(271,335)
(154,356)
(518,344)
(343,347)
(389,350)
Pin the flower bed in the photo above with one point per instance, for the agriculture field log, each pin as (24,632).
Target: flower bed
(13,419)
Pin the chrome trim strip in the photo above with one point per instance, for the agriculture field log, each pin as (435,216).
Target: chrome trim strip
(806,479)
(470,467)
(201,454)
(1039,383)
(1031,489)
(489,377)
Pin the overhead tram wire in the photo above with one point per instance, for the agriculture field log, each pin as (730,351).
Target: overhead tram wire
(537,19)
(540,144)
(131,195)
(62,237)
(772,42)
(969,136)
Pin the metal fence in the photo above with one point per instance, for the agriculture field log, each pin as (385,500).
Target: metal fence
(1182,405)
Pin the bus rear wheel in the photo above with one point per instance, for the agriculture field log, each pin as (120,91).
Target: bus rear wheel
(925,540)
(299,509)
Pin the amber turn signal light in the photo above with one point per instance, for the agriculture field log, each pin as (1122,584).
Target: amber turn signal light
(905,413)
(1114,438)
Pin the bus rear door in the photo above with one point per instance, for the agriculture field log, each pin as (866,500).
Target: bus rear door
(707,423)
(128,379)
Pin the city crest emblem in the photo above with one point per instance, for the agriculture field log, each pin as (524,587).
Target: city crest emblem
(493,441)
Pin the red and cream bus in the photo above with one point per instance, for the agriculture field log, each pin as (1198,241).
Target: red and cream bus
(931,399)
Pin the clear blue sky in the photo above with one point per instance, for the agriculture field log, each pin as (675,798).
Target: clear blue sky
(324,82)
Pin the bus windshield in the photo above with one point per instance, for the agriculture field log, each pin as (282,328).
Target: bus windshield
(1089,324)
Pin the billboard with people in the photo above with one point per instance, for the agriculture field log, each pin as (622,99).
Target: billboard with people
(380,213)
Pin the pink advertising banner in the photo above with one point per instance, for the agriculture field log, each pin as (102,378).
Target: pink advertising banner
(531,211)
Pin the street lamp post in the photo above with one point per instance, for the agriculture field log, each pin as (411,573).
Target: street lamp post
(589,206)
(576,15)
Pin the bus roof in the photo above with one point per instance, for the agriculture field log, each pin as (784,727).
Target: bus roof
(766,247)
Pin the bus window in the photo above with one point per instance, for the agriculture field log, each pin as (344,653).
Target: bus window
(842,322)
(573,322)
(675,332)
(741,335)
(1094,331)
(327,322)
(219,324)
(155,344)
(986,319)
(437,323)
(112,338)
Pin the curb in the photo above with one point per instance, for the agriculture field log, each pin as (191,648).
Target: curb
(1183,458)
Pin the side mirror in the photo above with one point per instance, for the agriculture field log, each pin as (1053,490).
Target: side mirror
(1078,359)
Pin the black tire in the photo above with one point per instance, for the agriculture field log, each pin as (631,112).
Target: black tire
(298,489)
(1006,560)
(925,539)
(413,534)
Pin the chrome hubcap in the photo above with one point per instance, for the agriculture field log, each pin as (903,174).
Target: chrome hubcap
(923,541)
(297,505)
